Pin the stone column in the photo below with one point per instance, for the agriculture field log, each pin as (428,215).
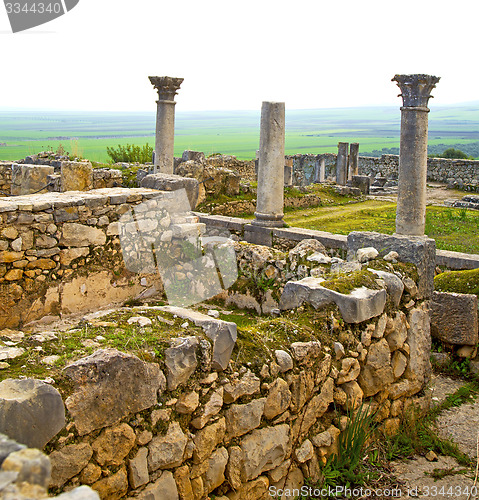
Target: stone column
(411,202)
(342,164)
(270,197)
(165,122)
(353,160)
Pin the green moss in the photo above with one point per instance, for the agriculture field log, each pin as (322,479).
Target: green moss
(458,281)
(346,283)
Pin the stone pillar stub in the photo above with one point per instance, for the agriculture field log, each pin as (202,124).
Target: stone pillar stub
(342,164)
(270,197)
(353,160)
(167,88)
(411,203)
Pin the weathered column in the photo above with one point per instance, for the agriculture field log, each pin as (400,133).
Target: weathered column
(411,202)
(353,160)
(342,164)
(165,122)
(270,197)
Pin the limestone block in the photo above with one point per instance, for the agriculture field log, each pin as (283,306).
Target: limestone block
(315,408)
(394,285)
(166,451)
(264,449)
(418,250)
(252,490)
(454,318)
(114,444)
(222,333)
(171,182)
(377,372)
(76,176)
(80,493)
(113,487)
(183,483)
(207,439)
(305,248)
(187,403)
(162,489)
(67,255)
(366,254)
(247,385)
(180,360)
(354,394)
(110,385)
(302,386)
(28,179)
(305,452)
(399,363)
(8,446)
(284,360)
(215,474)
(79,235)
(138,469)
(398,336)
(306,353)
(418,371)
(358,306)
(31,466)
(235,464)
(211,408)
(68,462)
(278,400)
(350,369)
(31,411)
(241,419)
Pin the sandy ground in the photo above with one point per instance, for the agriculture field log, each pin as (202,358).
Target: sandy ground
(436,194)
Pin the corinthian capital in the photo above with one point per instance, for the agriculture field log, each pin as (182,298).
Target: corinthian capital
(166,86)
(415,89)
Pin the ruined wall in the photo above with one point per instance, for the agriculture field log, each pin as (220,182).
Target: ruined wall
(59,252)
(463,174)
(230,413)
(5,178)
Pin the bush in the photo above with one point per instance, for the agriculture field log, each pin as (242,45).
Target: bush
(130,153)
(456,154)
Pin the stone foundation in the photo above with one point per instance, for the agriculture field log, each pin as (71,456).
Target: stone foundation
(201,418)
(60,253)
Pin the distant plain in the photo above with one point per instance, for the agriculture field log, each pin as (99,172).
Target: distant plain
(87,134)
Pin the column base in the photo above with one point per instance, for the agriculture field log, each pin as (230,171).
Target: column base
(268,220)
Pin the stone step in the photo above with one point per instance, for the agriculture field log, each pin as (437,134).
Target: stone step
(358,306)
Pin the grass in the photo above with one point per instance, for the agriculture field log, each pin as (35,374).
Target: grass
(228,132)
(453,229)
(458,281)
(418,435)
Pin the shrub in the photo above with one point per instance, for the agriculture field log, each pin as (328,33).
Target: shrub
(130,153)
(455,154)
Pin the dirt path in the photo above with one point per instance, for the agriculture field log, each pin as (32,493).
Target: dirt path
(458,424)
(436,194)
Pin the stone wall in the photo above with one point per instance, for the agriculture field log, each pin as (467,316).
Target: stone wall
(202,418)
(5,178)
(60,253)
(101,178)
(463,174)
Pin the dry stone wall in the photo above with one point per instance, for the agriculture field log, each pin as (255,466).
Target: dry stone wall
(60,253)
(182,426)
(463,174)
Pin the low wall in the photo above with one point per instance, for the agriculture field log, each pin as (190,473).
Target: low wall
(60,253)
(461,173)
(234,413)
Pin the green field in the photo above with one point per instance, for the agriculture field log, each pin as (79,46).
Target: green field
(230,132)
(453,229)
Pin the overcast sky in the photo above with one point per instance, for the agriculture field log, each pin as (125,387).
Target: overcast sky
(234,55)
